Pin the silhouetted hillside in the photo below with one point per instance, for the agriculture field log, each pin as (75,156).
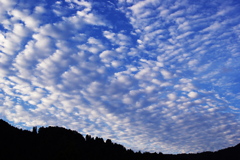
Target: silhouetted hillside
(57,143)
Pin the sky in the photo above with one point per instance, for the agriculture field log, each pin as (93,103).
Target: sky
(152,75)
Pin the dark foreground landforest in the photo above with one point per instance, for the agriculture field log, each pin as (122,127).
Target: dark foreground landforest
(57,143)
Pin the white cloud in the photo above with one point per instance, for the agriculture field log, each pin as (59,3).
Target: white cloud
(42,42)
(192,94)
(91,18)
(116,63)
(107,56)
(212,27)
(39,9)
(29,20)
(184,35)
(108,34)
(6,3)
(172,96)
(164,13)
(138,7)
(193,63)
(150,89)
(177,14)
(166,74)
(20,30)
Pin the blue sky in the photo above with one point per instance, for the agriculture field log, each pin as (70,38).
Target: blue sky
(152,75)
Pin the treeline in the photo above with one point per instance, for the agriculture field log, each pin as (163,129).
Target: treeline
(57,143)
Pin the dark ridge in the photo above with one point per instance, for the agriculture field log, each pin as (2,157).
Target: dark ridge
(57,143)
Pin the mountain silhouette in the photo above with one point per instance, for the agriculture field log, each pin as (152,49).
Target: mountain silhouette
(57,143)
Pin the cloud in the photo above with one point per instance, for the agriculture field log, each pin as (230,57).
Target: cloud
(152,70)
(29,20)
(192,94)
(166,74)
(172,96)
(214,26)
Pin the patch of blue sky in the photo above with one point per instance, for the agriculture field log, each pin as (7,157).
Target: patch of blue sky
(110,11)
(2,29)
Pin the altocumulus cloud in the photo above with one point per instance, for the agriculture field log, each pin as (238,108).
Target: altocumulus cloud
(152,75)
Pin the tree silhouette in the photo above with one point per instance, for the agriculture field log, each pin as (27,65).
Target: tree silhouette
(34,130)
(57,143)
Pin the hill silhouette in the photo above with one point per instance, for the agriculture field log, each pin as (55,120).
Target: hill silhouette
(57,143)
